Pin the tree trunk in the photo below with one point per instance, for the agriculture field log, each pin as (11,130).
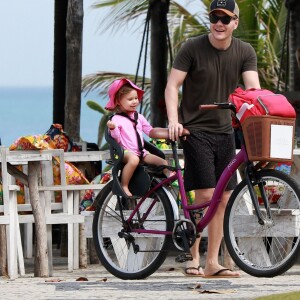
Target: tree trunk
(74,68)
(92,252)
(294,61)
(41,267)
(59,67)
(294,76)
(82,247)
(159,61)
(3,251)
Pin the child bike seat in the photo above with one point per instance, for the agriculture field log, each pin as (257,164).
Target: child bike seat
(140,181)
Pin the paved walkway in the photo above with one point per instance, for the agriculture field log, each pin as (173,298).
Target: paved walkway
(167,283)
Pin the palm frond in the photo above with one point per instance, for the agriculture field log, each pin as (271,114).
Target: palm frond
(101,81)
(95,106)
(121,12)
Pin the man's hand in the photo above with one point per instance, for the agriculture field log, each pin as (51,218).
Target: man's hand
(175,131)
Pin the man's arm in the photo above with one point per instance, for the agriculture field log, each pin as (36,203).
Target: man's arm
(175,81)
(251,80)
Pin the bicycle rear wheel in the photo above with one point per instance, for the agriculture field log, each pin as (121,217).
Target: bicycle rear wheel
(126,254)
(270,249)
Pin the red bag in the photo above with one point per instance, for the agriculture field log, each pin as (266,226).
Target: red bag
(258,102)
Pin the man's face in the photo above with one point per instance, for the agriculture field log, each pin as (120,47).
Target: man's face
(219,30)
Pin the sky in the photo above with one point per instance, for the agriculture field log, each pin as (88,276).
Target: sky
(27,35)
(26,60)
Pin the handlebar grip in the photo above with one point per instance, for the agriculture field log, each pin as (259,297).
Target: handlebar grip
(221,105)
(208,106)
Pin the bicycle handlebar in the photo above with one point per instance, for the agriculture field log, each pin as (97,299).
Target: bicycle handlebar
(163,133)
(222,105)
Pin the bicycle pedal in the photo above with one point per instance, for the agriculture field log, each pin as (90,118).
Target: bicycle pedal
(184,257)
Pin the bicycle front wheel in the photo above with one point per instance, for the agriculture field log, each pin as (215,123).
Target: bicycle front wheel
(123,252)
(271,248)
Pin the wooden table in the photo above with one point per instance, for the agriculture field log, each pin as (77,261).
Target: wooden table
(86,156)
(35,159)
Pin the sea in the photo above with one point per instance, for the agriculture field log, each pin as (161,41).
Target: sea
(28,111)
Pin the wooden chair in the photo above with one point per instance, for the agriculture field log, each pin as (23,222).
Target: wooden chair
(9,218)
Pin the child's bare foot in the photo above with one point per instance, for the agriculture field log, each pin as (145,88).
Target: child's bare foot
(166,173)
(126,190)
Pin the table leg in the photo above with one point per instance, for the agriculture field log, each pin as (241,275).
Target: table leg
(41,268)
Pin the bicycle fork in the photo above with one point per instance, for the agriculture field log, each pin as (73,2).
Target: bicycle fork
(250,173)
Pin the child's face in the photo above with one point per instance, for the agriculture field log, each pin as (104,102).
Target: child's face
(129,102)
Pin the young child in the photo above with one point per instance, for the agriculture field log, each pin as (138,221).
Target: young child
(124,97)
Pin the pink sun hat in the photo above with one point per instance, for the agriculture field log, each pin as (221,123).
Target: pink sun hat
(113,89)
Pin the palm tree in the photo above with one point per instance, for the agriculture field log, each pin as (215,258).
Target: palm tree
(261,24)
(159,60)
(73,68)
(68,65)
(59,68)
(294,55)
(67,71)
(293,41)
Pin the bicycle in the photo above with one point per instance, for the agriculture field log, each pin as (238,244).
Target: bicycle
(133,235)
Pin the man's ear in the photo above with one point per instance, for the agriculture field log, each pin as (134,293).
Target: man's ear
(236,23)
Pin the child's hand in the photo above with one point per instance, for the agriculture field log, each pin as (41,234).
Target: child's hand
(111,125)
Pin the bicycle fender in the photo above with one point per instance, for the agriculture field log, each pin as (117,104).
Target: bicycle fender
(173,203)
(172,200)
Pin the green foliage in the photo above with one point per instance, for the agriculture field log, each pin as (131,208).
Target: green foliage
(95,106)
(286,296)
(102,124)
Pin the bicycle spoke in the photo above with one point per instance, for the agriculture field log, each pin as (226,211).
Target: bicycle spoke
(269,248)
(122,244)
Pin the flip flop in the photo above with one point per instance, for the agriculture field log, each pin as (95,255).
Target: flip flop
(219,274)
(185,272)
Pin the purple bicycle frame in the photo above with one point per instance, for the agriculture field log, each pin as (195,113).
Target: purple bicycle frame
(212,205)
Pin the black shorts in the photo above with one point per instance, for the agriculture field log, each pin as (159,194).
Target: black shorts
(206,156)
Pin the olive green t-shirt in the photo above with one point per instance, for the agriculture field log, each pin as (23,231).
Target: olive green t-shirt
(212,75)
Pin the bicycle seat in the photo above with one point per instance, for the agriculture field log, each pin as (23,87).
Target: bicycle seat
(140,181)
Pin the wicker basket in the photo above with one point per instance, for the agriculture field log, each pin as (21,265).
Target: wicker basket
(264,144)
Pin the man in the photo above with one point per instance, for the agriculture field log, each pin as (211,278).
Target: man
(209,67)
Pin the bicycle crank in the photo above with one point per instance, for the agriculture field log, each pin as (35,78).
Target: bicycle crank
(184,235)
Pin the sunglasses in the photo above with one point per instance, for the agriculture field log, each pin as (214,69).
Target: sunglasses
(214,19)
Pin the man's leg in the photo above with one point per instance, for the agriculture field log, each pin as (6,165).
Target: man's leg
(193,266)
(224,151)
(201,196)
(215,235)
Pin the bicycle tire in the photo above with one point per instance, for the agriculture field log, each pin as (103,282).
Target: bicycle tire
(116,253)
(270,249)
